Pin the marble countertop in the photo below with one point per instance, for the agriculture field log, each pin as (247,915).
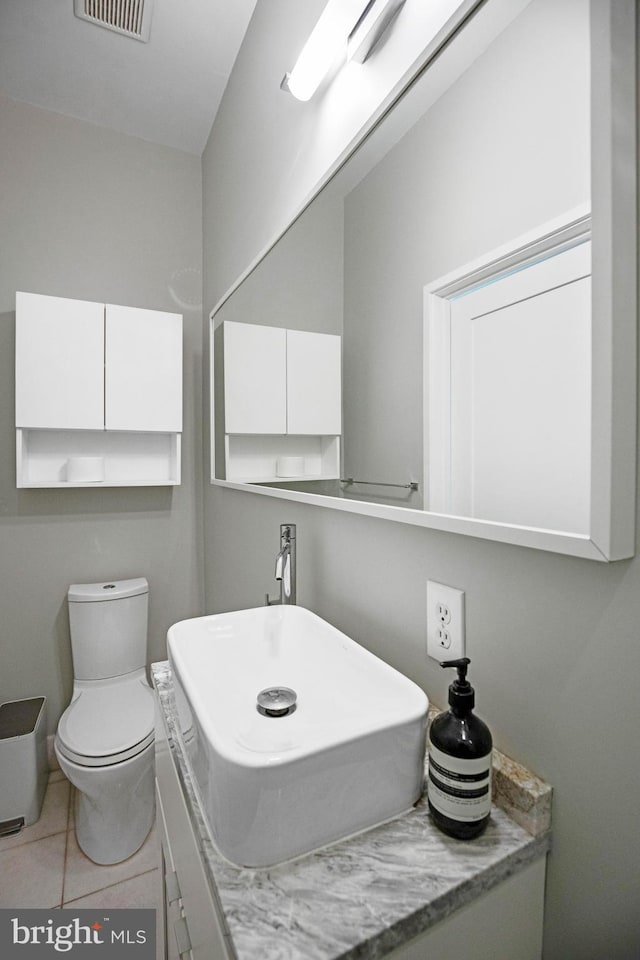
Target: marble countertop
(362,897)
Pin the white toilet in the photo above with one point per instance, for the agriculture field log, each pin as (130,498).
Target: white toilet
(105,738)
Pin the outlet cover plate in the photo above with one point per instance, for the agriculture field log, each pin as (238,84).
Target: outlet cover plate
(445,622)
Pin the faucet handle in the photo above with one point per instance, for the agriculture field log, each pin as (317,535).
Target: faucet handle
(279,562)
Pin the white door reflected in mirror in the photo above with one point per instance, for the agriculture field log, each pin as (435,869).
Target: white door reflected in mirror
(510,384)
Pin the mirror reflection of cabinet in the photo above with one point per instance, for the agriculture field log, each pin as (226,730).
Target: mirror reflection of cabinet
(98,392)
(282,403)
(255,385)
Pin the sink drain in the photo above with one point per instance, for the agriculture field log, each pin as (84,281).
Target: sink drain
(277,701)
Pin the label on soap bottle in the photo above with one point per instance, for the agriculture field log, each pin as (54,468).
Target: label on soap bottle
(458,788)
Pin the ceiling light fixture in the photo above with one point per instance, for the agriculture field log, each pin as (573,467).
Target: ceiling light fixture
(373,23)
(329,36)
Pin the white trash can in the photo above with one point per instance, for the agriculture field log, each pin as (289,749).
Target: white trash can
(23,762)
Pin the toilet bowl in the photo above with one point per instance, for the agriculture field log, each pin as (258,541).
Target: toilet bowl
(105,738)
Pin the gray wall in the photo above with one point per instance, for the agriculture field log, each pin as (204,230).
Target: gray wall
(90,214)
(554,640)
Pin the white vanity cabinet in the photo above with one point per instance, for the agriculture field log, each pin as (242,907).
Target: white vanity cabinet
(282,403)
(98,393)
(192,921)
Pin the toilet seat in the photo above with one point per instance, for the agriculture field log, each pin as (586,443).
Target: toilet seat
(83,760)
(108,721)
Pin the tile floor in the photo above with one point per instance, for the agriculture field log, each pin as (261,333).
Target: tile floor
(43,866)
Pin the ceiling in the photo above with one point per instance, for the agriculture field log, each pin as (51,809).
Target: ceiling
(167,90)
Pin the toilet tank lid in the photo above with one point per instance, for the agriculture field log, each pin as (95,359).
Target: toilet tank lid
(107,590)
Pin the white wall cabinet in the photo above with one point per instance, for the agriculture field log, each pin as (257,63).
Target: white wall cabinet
(282,403)
(98,393)
(143,370)
(59,363)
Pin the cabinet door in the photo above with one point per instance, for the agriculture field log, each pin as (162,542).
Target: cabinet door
(314,390)
(59,363)
(143,370)
(255,384)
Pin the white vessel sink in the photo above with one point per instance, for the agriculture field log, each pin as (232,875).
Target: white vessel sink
(349,756)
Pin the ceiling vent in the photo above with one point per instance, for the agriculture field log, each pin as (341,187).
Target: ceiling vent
(130,17)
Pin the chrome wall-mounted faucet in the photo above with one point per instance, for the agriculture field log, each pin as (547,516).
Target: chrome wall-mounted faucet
(285,566)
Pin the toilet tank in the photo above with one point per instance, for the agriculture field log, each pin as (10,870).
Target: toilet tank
(108,627)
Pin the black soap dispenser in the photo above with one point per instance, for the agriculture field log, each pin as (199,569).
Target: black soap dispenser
(460,755)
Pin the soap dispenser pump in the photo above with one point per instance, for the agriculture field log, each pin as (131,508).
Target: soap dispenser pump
(460,755)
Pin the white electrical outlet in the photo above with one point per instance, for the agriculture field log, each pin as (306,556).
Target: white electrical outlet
(445,622)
